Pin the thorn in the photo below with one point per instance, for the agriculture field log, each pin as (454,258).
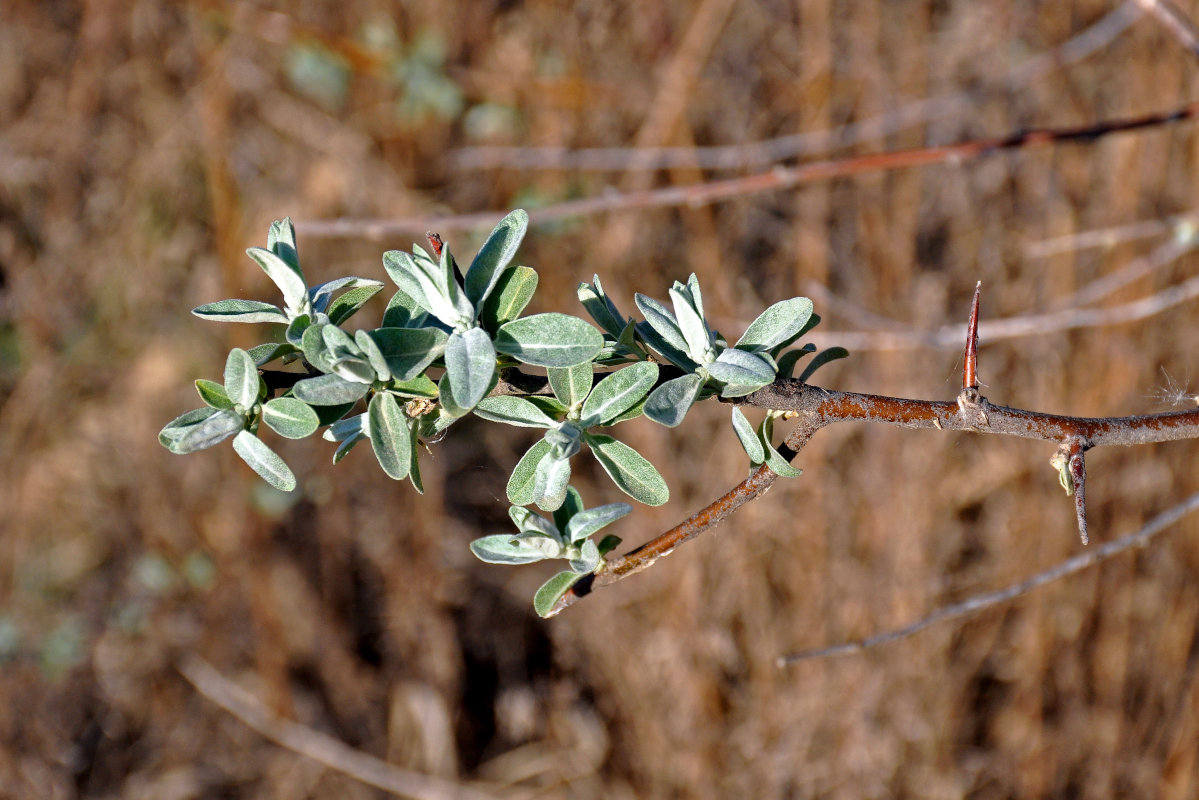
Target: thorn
(1078,476)
(970,358)
(435,241)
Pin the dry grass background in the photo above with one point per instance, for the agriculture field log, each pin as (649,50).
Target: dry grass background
(144,145)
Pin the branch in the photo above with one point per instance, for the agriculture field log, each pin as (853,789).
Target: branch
(817,408)
(981,602)
(315,745)
(775,179)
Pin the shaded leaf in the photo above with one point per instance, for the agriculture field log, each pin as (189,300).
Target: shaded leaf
(329,390)
(522,483)
(379,367)
(789,359)
(585,523)
(741,371)
(403,312)
(513,411)
(347,304)
(670,402)
(822,358)
(748,438)
(266,353)
(552,590)
(408,351)
(587,560)
(663,323)
(570,384)
(265,461)
(508,299)
(213,394)
(470,366)
(572,505)
(281,240)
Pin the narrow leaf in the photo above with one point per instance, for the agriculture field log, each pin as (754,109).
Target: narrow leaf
(551,480)
(662,321)
(670,402)
(281,240)
(264,461)
(822,358)
(241,378)
(629,470)
(373,355)
(289,279)
(347,304)
(200,429)
(402,269)
(552,590)
(585,523)
(329,390)
(240,311)
(618,392)
(504,548)
(266,353)
(513,411)
(776,324)
(522,484)
(213,394)
(289,417)
(601,309)
(390,438)
(495,255)
(748,438)
(549,340)
(694,328)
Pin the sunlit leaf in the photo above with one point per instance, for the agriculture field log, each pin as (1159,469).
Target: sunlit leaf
(513,411)
(618,392)
(495,255)
(504,548)
(629,470)
(470,365)
(389,434)
(240,311)
(329,390)
(288,278)
(241,378)
(289,417)
(265,461)
(776,324)
(748,438)
(213,394)
(549,340)
(522,484)
(570,384)
(585,523)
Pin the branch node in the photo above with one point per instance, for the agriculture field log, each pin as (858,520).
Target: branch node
(1072,473)
(973,407)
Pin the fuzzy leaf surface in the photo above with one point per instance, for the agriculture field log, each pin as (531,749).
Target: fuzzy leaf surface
(265,461)
(549,340)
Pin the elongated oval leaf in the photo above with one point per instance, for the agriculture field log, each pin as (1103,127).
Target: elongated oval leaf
(526,520)
(585,523)
(552,590)
(241,378)
(748,438)
(776,324)
(824,357)
(508,299)
(629,470)
(240,311)
(403,312)
(504,548)
(408,351)
(402,269)
(355,369)
(662,321)
(199,428)
(601,309)
(549,340)
(289,417)
(374,355)
(347,304)
(495,255)
(572,505)
(742,371)
(694,328)
(618,392)
(550,480)
(470,364)
(522,483)
(390,438)
(213,394)
(329,390)
(570,384)
(265,461)
(266,353)
(670,402)
(321,296)
(513,411)
(281,240)
(289,279)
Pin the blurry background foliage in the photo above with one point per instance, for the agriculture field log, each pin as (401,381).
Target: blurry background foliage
(144,145)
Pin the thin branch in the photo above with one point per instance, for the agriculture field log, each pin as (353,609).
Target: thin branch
(757,154)
(981,602)
(1174,21)
(1178,224)
(817,408)
(1183,242)
(776,179)
(315,745)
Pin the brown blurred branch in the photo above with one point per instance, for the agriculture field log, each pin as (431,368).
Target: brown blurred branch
(981,602)
(772,180)
(315,745)
(817,408)
(750,155)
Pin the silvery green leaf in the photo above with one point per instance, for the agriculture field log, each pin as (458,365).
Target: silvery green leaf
(414,472)
(495,255)
(428,287)
(629,470)
(670,402)
(320,296)
(289,417)
(572,505)
(402,269)
(329,390)
(339,343)
(617,393)
(213,394)
(695,330)
(564,439)
(790,358)
(240,311)
(470,365)
(588,560)
(346,428)
(550,481)
(778,465)
(549,546)
(504,548)
(742,371)
(389,434)
(601,308)
(608,544)
(419,387)
(549,340)
(513,411)
(825,356)
(526,520)
(264,461)
(570,384)
(508,299)
(445,395)
(748,438)
(408,351)
(347,304)
(289,279)
(551,592)
(462,304)
(315,350)
(374,355)
(355,369)
(296,327)
(632,412)
(266,353)
(585,523)
(346,446)
(522,483)
(241,378)
(776,324)
(199,429)
(697,298)
(403,312)
(672,354)
(281,240)
(663,323)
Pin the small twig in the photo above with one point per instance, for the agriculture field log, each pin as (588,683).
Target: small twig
(1183,242)
(987,600)
(970,358)
(1109,237)
(775,179)
(315,745)
(1078,476)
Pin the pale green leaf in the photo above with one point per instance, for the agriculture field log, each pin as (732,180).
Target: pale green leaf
(241,378)
(289,279)
(373,355)
(617,393)
(522,483)
(347,304)
(742,372)
(549,340)
(513,411)
(509,298)
(550,480)
(329,390)
(776,324)
(504,548)
(694,328)
(495,255)
(570,384)
(289,417)
(470,365)
(585,523)
(663,323)
(588,559)
(389,434)
(748,438)
(629,470)
(240,311)
(408,351)
(265,461)
(551,592)
(281,240)
(213,394)
(670,402)
(200,429)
